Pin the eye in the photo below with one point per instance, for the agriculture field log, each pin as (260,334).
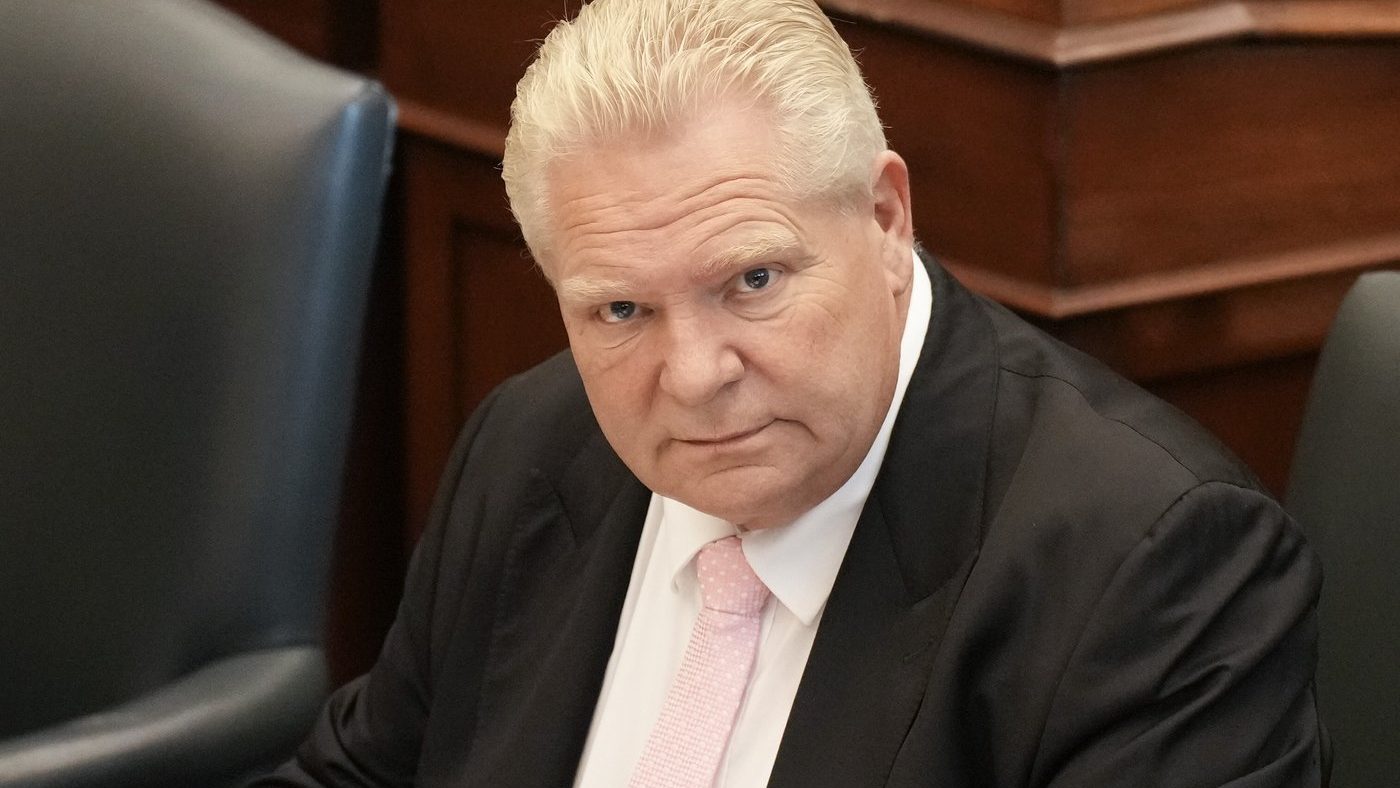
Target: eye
(618,311)
(757,278)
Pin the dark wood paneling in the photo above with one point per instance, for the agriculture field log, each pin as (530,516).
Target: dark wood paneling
(478,311)
(1229,153)
(337,31)
(1048,12)
(1077,32)
(1182,338)
(463,59)
(1084,12)
(979,138)
(370,555)
(1071,192)
(509,319)
(1254,409)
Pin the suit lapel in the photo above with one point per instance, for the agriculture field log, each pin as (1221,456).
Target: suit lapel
(913,547)
(561,595)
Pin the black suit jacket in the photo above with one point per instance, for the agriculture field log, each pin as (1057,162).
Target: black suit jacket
(1057,580)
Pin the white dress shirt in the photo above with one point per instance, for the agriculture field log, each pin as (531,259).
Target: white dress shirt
(798,562)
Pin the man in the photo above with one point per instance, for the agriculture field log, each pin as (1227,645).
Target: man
(966,555)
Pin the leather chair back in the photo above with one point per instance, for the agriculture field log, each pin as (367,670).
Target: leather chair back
(1345,492)
(188,216)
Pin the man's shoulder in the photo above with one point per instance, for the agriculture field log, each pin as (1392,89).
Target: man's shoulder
(535,426)
(1069,430)
(1124,550)
(543,408)
(531,444)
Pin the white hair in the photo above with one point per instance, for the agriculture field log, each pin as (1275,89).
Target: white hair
(625,68)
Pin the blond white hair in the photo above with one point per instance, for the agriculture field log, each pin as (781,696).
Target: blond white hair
(640,67)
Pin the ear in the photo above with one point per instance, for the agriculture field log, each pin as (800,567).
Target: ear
(894,221)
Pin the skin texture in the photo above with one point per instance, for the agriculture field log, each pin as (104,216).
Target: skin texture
(739,347)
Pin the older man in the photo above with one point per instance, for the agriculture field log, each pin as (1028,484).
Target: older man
(797,509)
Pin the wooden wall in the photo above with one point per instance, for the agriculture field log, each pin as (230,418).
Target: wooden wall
(1183,188)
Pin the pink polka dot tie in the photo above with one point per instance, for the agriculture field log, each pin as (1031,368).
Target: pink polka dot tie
(690,736)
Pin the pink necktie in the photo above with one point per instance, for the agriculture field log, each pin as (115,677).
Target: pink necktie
(691,733)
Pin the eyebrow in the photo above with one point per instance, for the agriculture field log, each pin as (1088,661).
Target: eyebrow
(770,243)
(588,290)
(583,289)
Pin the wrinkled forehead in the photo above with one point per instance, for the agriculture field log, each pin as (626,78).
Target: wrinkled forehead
(611,190)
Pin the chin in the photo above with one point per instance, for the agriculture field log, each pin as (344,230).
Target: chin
(751,508)
(727,507)
(760,494)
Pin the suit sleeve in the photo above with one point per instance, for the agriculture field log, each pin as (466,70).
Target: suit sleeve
(1196,666)
(369,734)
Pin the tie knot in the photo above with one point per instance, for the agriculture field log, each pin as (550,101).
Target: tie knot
(727,582)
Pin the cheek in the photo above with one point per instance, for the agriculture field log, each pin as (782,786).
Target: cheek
(834,339)
(607,391)
(618,391)
(594,358)
(851,355)
(815,370)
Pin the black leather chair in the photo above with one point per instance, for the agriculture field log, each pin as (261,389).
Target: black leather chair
(188,215)
(1345,492)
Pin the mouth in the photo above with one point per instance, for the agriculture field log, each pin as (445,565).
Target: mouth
(726,440)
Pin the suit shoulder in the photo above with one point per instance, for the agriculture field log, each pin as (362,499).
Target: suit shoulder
(1085,454)
(531,432)
(538,413)
(1098,418)
(531,439)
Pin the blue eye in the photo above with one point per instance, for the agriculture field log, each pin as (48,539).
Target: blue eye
(757,278)
(618,311)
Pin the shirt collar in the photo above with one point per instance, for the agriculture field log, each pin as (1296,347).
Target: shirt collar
(799,561)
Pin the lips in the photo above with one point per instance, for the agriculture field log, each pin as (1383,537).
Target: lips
(727,438)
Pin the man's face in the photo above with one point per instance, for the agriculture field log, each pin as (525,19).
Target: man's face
(739,347)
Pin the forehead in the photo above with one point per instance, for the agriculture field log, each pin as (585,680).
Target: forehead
(710,184)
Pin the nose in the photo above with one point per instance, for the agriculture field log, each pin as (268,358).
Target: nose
(699,361)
